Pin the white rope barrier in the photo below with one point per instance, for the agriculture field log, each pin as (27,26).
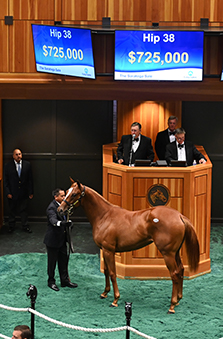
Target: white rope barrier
(14,309)
(77,328)
(4,336)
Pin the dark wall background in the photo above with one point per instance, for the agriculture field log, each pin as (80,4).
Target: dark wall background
(60,139)
(65,138)
(203,122)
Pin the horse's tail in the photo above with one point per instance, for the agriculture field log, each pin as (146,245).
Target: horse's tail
(192,244)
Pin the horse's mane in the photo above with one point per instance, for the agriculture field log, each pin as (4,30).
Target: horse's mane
(100,196)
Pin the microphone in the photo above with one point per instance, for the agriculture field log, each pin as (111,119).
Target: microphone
(133,137)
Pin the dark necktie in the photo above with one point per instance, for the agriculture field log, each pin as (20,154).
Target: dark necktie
(171,133)
(136,139)
(180,146)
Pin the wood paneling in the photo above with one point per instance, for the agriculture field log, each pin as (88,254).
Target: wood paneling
(175,186)
(115,199)
(200,204)
(32,9)
(4,47)
(115,184)
(200,185)
(58,10)
(129,10)
(179,12)
(80,10)
(4,9)
(141,186)
(153,116)
(21,47)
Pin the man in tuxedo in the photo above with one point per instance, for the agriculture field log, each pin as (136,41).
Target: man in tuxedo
(183,150)
(163,138)
(56,239)
(134,146)
(18,185)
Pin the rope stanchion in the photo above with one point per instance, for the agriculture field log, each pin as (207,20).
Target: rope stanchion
(77,328)
(32,294)
(128,313)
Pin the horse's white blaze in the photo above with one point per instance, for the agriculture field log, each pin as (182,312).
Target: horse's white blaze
(70,189)
(155,220)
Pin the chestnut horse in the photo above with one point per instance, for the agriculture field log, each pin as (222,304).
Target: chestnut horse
(118,230)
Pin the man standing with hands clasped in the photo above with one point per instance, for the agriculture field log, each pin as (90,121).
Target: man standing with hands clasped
(56,239)
(18,184)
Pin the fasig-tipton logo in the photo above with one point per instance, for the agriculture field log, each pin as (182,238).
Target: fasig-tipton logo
(158,195)
(85,73)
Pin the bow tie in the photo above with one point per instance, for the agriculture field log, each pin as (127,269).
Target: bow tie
(171,133)
(136,139)
(180,146)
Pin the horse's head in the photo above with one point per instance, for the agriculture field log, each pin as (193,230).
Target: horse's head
(73,196)
(158,195)
(161,196)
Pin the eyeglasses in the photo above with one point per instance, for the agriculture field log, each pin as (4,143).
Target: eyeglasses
(180,138)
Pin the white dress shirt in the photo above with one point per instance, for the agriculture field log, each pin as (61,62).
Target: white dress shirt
(17,165)
(135,144)
(181,152)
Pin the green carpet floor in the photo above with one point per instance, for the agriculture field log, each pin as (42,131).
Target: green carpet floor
(199,315)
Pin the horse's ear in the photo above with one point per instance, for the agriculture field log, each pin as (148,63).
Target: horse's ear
(72,181)
(78,183)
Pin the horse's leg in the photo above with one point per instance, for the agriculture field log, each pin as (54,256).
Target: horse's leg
(180,275)
(176,281)
(107,281)
(110,260)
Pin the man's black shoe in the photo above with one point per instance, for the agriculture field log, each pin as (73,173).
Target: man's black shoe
(69,284)
(27,229)
(54,287)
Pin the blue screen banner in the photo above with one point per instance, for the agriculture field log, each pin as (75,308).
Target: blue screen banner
(63,50)
(159,55)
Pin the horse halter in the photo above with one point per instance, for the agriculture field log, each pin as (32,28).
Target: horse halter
(71,206)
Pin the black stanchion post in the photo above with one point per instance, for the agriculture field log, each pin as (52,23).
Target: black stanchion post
(128,313)
(32,293)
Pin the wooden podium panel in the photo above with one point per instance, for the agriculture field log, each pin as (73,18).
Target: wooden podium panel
(189,192)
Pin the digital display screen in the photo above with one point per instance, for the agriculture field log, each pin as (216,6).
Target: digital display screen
(159,55)
(63,50)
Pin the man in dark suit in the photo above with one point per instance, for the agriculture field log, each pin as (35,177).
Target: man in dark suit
(18,185)
(134,146)
(163,138)
(183,150)
(56,239)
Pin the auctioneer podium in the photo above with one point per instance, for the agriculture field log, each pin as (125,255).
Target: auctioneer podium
(187,189)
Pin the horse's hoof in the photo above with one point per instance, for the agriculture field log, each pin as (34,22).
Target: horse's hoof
(113,305)
(171,312)
(102,296)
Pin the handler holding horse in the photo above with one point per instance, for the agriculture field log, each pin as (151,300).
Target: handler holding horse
(118,230)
